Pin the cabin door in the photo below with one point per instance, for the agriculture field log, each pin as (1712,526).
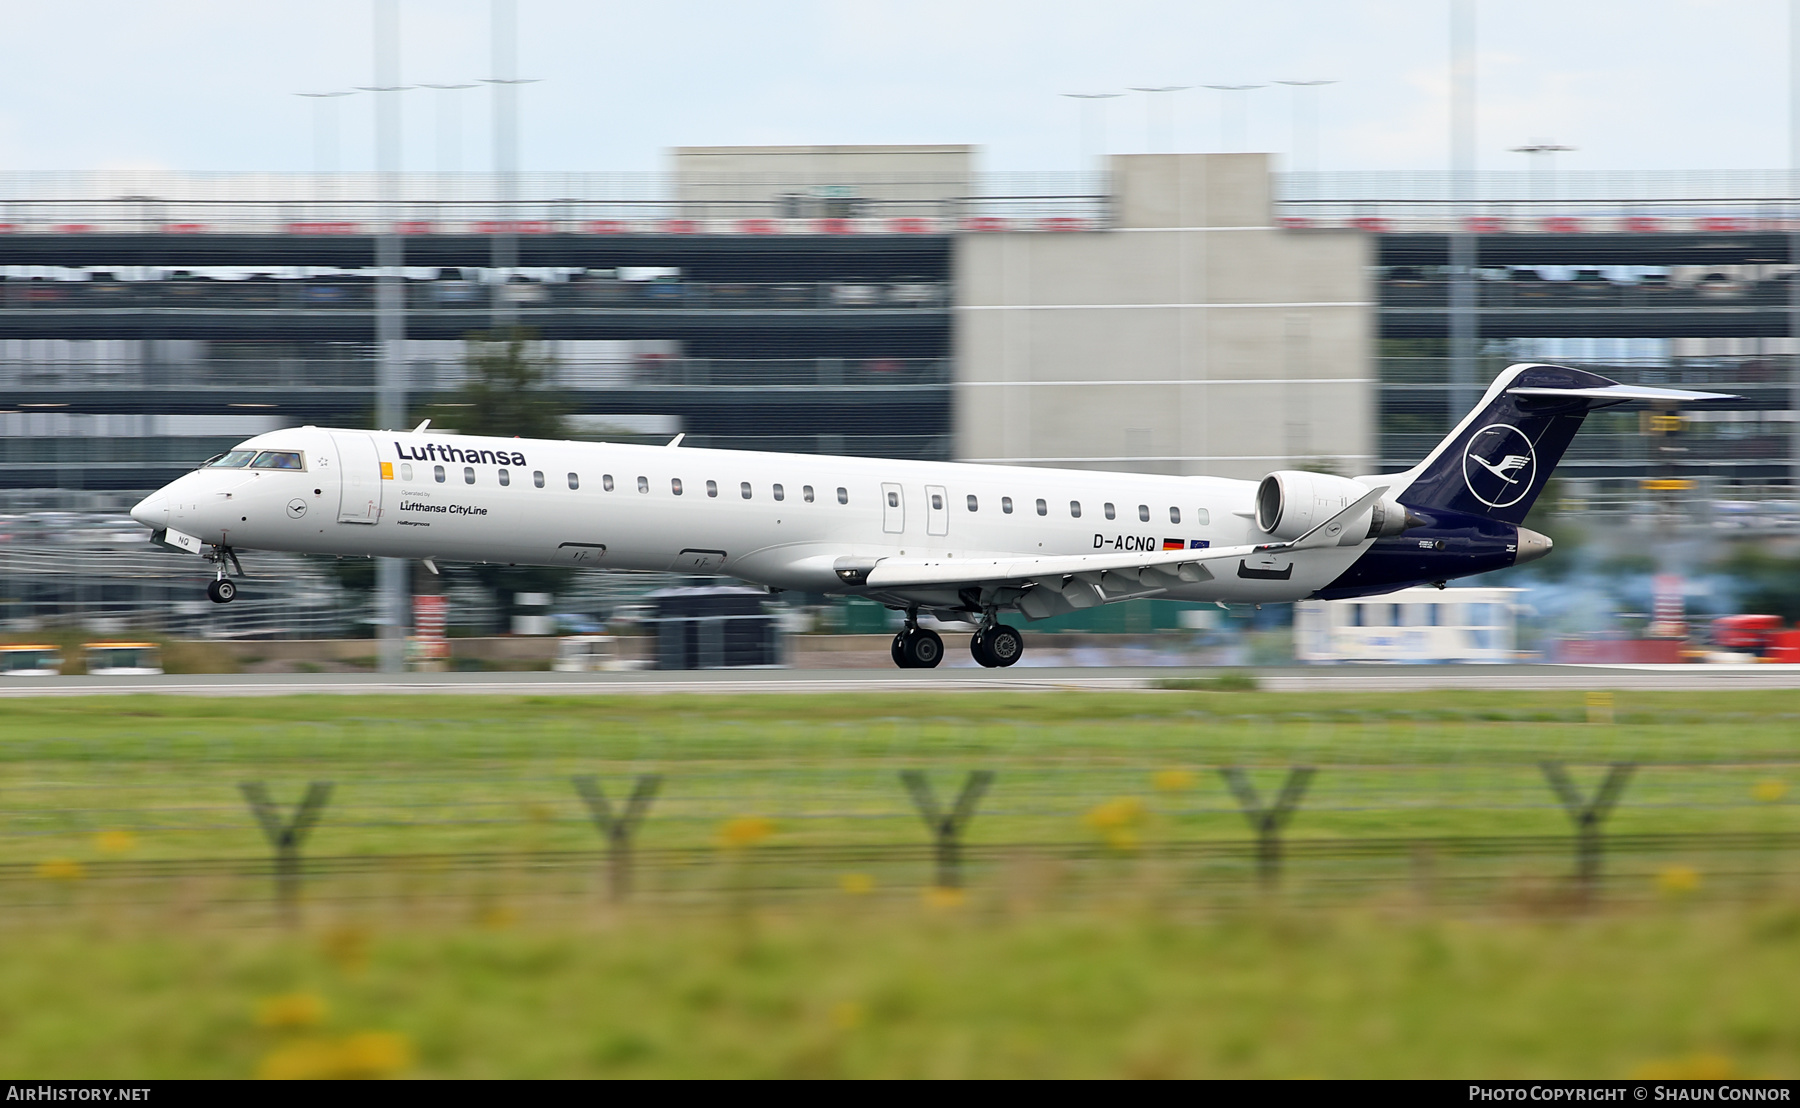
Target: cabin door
(893,508)
(359,477)
(937,510)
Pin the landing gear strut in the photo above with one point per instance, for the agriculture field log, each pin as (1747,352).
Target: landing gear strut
(221,590)
(997,645)
(916,647)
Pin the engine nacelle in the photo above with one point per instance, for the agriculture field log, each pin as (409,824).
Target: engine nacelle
(1289,503)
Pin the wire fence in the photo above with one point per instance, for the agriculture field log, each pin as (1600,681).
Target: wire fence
(1476,833)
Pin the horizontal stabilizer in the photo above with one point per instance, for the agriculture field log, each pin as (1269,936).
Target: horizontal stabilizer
(1607,395)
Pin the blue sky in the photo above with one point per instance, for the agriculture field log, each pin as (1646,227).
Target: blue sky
(205,85)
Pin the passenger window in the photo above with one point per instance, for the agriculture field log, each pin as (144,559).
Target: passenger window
(643,484)
(1174,515)
(574,481)
(973,506)
(744,490)
(937,502)
(1043,508)
(1006,505)
(893,500)
(675,485)
(1075,509)
(1144,512)
(437,473)
(780,493)
(1109,511)
(1202,517)
(843,495)
(606,482)
(468,475)
(712,488)
(505,478)
(406,471)
(806,493)
(537,478)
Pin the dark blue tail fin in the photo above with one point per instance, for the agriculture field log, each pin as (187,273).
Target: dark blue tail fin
(1498,458)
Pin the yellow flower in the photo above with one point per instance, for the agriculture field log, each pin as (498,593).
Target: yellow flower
(1173,780)
(374,1054)
(846,1015)
(857,884)
(290,1011)
(745,831)
(61,869)
(347,947)
(1126,811)
(941,898)
(1769,790)
(365,1054)
(115,842)
(1678,880)
(497,917)
(1695,1067)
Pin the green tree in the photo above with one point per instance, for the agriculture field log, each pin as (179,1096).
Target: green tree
(509,391)
(1769,583)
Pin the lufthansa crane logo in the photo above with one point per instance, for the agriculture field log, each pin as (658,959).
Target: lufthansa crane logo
(1499,465)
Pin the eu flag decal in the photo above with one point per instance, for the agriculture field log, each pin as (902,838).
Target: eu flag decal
(1199,544)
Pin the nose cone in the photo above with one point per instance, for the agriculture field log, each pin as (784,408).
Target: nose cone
(153,512)
(1532,546)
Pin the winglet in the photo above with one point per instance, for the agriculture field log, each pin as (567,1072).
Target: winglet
(676,441)
(420,429)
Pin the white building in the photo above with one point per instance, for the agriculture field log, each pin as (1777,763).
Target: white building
(1412,625)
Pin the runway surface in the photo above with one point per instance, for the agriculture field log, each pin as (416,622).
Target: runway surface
(1282,679)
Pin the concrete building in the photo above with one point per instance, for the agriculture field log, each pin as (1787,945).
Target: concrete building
(1192,335)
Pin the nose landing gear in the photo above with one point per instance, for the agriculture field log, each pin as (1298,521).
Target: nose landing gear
(221,590)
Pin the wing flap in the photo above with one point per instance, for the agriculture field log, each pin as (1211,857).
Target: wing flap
(892,573)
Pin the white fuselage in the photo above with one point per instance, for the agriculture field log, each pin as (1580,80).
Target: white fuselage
(782,520)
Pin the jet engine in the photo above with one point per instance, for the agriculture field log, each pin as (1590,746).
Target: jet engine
(1289,503)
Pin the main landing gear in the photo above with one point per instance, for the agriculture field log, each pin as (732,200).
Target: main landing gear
(916,647)
(221,590)
(994,646)
(997,645)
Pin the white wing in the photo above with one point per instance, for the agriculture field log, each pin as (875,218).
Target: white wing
(1173,565)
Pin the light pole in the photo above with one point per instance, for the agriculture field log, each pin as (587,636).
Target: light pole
(1233,125)
(1305,138)
(1091,106)
(1154,94)
(325,134)
(449,127)
(393,595)
(1543,166)
(1464,247)
(503,250)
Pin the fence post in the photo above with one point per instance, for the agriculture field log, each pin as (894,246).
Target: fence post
(946,828)
(617,830)
(287,837)
(1588,815)
(1268,822)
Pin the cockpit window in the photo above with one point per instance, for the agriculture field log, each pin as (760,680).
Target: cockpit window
(277,459)
(235,459)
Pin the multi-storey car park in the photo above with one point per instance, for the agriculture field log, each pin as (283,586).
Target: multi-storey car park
(1179,313)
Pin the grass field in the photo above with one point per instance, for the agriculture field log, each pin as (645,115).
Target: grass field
(786,921)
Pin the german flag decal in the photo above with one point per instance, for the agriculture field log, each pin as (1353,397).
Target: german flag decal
(1174,544)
